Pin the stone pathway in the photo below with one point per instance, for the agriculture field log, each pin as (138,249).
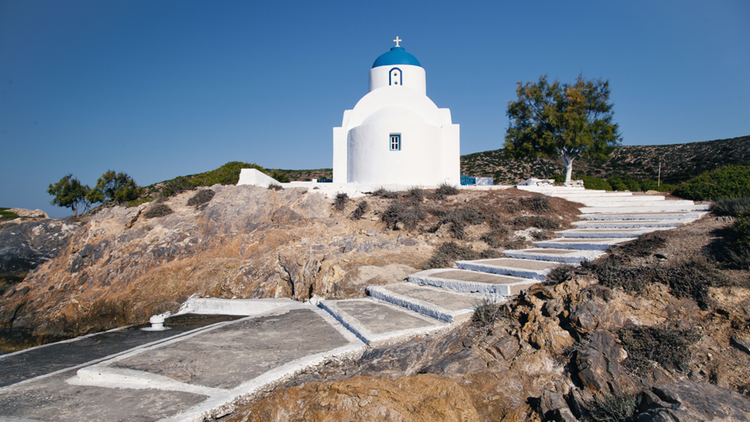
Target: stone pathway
(195,371)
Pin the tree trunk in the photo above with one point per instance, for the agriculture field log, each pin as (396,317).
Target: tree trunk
(568,162)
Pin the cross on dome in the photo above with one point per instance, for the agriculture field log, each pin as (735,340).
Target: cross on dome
(397,40)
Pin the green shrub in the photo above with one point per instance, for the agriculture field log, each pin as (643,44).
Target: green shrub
(202,197)
(360,210)
(279,176)
(448,253)
(340,202)
(730,206)
(177,185)
(727,182)
(739,248)
(228,174)
(741,229)
(158,210)
(617,184)
(632,184)
(590,182)
(7,215)
(115,187)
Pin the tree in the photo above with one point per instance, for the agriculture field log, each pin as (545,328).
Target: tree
(569,120)
(70,193)
(116,187)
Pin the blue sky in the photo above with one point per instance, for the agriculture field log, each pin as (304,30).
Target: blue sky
(161,88)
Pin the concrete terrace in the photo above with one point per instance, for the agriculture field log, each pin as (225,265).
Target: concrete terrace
(204,363)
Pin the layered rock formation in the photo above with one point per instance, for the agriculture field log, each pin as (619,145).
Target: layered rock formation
(120,267)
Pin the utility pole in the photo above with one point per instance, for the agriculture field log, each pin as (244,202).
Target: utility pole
(658,182)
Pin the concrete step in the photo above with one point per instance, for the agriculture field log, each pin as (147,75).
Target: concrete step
(437,303)
(635,202)
(688,215)
(491,285)
(523,268)
(609,233)
(614,198)
(378,323)
(567,256)
(591,194)
(662,207)
(595,244)
(626,224)
(558,190)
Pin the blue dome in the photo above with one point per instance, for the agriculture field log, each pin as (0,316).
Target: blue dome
(397,55)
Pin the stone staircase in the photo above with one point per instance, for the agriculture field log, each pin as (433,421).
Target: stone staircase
(198,372)
(449,294)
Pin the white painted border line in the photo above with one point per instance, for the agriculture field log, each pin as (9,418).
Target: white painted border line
(216,407)
(115,355)
(112,377)
(138,350)
(70,340)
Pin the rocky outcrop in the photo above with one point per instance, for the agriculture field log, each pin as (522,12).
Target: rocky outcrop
(692,402)
(247,242)
(25,246)
(572,351)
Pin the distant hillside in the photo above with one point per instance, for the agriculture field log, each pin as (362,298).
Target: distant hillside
(679,162)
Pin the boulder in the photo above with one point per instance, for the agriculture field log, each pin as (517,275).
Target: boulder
(21,212)
(25,246)
(693,402)
(599,366)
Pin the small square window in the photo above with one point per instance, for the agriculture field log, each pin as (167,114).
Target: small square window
(395,142)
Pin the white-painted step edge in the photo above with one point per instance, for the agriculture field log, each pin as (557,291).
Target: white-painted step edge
(482,266)
(594,244)
(609,233)
(629,224)
(662,207)
(416,305)
(496,292)
(689,215)
(573,257)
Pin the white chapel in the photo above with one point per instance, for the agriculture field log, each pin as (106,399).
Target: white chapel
(396,135)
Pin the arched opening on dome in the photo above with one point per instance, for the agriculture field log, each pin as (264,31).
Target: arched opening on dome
(395,77)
